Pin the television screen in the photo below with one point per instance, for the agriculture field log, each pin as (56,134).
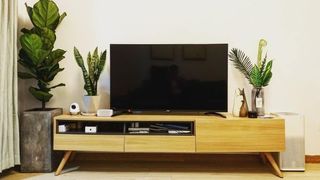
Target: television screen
(174,77)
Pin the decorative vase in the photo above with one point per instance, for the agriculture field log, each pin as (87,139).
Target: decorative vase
(91,104)
(36,132)
(244,107)
(257,101)
(237,102)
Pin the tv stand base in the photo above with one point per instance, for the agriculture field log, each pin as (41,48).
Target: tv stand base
(265,156)
(206,135)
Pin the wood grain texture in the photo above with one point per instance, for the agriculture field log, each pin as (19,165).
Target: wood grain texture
(132,118)
(165,144)
(273,164)
(82,142)
(313,159)
(64,160)
(212,134)
(135,117)
(240,135)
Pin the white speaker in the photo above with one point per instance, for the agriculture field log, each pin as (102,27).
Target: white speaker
(105,112)
(293,158)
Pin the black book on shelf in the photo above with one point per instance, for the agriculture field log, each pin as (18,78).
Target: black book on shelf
(173,126)
(156,126)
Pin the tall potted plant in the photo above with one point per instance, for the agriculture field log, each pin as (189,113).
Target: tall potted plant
(40,61)
(258,75)
(95,64)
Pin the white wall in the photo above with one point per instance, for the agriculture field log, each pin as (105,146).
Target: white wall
(291,28)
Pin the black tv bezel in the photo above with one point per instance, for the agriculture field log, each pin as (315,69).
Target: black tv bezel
(164,110)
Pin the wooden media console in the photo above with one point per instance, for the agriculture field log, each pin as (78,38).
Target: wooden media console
(170,134)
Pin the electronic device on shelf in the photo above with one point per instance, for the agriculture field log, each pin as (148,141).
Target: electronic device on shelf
(74,109)
(169,78)
(104,112)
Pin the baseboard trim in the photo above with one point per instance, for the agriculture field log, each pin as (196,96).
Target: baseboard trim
(172,157)
(313,159)
(163,157)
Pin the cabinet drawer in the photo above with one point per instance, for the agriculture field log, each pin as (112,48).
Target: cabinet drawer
(142,143)
(78,142)
(240,136)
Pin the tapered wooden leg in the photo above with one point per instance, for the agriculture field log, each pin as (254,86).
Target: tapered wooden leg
(263,158)
(273,164)
(72,156)
(63,162)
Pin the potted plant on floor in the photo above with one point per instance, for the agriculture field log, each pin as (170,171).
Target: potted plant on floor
(95,63)
(40,61)
(258,75)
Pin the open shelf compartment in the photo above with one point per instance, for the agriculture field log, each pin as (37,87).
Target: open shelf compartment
(102,127)
(181,128)
(159,128)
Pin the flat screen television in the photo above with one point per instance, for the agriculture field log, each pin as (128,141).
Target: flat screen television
(169,77)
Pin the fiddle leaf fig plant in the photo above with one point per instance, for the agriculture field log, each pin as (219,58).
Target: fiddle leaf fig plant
(37,54)
(259,74)
(95,64)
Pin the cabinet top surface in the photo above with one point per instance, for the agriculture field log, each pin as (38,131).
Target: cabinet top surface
(157,118)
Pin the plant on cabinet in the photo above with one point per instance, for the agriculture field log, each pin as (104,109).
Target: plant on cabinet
(95,64)
(258,75)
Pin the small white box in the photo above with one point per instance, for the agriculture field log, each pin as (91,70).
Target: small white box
(90,129)
(62,128)
(105,112)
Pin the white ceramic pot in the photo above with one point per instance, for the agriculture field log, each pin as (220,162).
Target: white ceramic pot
(91,104)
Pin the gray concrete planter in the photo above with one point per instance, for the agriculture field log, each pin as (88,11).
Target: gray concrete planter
(36,138)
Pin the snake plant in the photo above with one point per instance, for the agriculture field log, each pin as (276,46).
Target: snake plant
(37,54)
(95,63)
(259,75)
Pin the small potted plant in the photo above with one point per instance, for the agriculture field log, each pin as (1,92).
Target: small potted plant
(40,61)
(258,75)
(95,63)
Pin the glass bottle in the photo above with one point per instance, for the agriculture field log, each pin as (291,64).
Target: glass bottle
(257,101)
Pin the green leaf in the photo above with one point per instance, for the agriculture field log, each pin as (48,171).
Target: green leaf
(45,14)
(48,38)
(61,84)
(29,10)
(27,66)
(59,20)
(266,79)
(263,64)
(26,62)
(40,95)
(32,45)
(54,73)
(269,65)
(30,42)
(62,16)
(56,56)
(102,63)
(267,74)
(241,62)
(94,65)
(255,77)
(88,85)
(25,75)
(78,57)
(25,30)
(90,64)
